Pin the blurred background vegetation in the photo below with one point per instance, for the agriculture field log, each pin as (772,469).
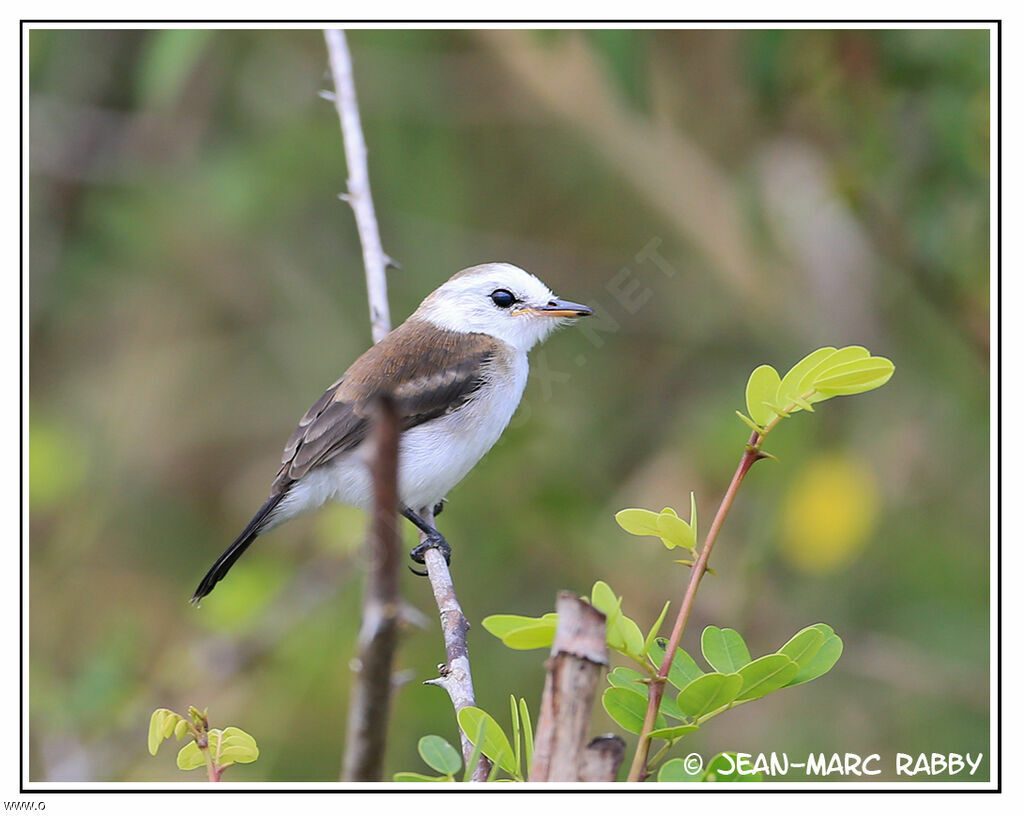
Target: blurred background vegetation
(722,198)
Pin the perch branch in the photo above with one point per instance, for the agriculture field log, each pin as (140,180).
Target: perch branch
(455,676)
(370,704)
(579,655)
(358,195)
(455,673)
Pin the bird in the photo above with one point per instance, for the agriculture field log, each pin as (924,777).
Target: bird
(455,371)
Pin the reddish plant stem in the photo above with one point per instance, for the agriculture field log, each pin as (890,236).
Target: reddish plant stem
(656,689)
(213,767)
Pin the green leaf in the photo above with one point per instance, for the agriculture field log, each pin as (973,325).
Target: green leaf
(651,635)
(516,742)
(524,715)
(235,746)
(439,754)
(496,746)
(855,377)
(478,743)
(723,768)
(604,600)
(765,675)
(693,513)
(502,625)
(803,645)
(638,522)
(675,771)
(190,757)
(624,677)
(675,532)
(521,632)
(540,636)
(709,693)
(628,708)
(631,637)
(675,732)
(761,388)
(789,391)
(824,659)
(181,729)
(838,357)
(623,633)
(684,669)
(749,422)
(409,776)
(157,721)
(724,649)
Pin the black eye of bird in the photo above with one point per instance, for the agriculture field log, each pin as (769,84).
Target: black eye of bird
(503,298)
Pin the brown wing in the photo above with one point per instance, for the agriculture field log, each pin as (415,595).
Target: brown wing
(428,371)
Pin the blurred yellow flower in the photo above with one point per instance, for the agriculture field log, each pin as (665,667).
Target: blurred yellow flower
(828,513)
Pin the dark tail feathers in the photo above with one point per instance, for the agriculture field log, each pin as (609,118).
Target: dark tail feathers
(238,546)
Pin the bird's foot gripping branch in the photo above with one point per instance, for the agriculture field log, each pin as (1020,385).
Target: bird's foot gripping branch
(637,697)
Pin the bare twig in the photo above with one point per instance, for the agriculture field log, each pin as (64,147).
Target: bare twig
(378,636)
(455,676)
(579,655)
(374,259)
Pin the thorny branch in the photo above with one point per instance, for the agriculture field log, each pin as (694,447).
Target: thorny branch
(455,672)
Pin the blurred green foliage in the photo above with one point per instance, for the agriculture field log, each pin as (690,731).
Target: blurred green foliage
(195,284)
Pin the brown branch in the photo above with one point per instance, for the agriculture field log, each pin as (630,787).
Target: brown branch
(579,656)
(358,196)
(370,703)
(638,771)
(455,675)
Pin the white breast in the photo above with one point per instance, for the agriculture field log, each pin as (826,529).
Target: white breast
(433,457)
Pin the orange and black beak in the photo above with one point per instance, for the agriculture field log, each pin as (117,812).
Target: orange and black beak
(562,308)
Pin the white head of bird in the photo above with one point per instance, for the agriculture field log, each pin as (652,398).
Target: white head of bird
(500,300)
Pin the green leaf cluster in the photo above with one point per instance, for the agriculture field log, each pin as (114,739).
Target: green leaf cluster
(623,633)
(164,723)
(666,525)
(219,747)
(825,373)
(511,756)
(735,678)
(226,747)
